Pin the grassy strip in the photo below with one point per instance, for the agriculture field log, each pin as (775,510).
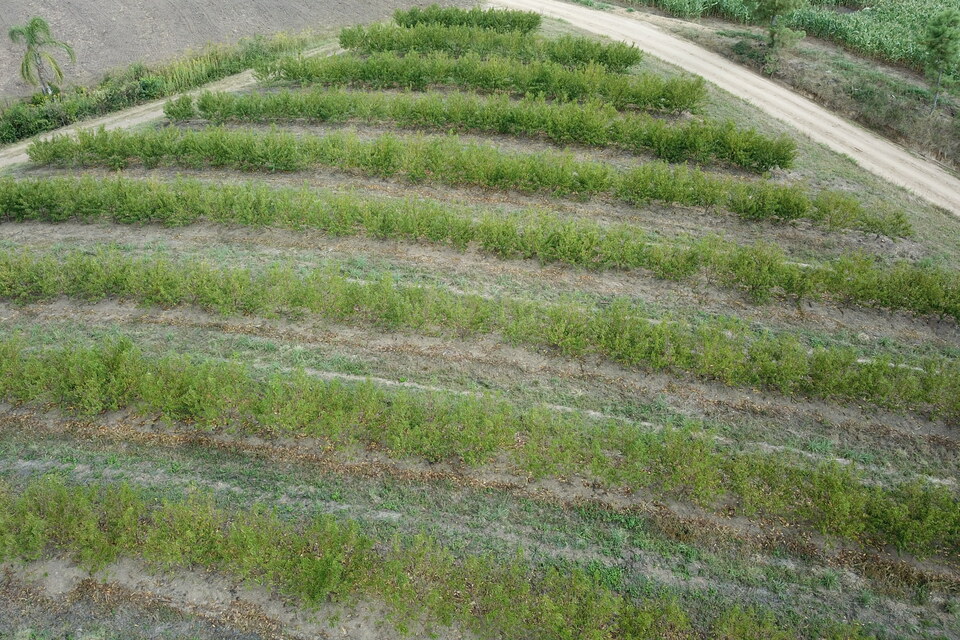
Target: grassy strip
(761,270)
(722,349)
(571,51)
(493,74)
(593,124)
(325,559)
(139,84)
(677,462)
(502,20)
(446,160)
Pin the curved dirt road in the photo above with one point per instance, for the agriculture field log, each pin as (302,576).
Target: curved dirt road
(875,154)
(17,153)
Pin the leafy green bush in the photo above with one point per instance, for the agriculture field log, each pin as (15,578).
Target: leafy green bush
(180,109)
(590,123)
(493,74)
(567,50)
(445,160)
(502,20)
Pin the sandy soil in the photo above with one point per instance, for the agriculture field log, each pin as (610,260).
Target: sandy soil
(107,34)
(56,593)
(888,160)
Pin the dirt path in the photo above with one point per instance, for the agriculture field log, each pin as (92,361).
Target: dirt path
(141,114)
(875,154)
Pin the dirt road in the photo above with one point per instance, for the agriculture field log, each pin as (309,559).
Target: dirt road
(134,116)
(875,154)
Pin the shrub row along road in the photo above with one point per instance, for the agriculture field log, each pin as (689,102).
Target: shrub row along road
(884,158)
(140,114)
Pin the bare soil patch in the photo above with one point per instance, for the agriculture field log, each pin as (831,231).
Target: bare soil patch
(131,598)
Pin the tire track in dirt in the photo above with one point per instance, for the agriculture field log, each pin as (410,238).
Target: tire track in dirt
(927,179)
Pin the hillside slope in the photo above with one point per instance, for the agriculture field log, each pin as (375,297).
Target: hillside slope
(114,33)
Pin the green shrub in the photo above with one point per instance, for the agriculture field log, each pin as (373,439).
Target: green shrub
(567,50)
(502,20)
(493,74)
(445,160)
(180,109)
(590,123)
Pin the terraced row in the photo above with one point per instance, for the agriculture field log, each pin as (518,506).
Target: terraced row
(325,559)
(719,348)
(447,160)
(345,358)
(680,461)
(593,124)
(762,270)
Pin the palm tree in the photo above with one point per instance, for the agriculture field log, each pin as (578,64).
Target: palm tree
(36,35)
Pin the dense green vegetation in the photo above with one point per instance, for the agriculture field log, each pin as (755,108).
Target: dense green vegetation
(675,461)
(593,124)
(888,29)
(389,69)
(566,50)
(446,160)
(722,349)
(495,20)
(140,83)
(760,269)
